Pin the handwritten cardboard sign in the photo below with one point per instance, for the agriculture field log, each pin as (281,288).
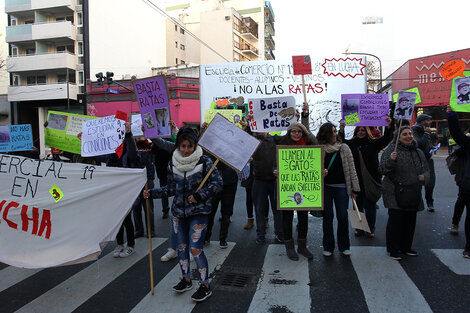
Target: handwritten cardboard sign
(452,69)
(229,143)
(62,130)
(371,109)
(271,114)
(405,105)
(102,136)
(300,180)
(302,65)
(154,105)
(233,116)
(16,138)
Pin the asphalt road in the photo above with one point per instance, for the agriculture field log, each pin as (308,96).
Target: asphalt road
(251,278)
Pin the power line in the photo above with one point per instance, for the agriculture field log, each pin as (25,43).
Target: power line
(156,8)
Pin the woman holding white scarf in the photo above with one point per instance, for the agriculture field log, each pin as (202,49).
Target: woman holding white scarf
(191,207)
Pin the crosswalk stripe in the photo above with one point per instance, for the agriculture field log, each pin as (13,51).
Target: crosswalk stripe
(283,285)
(166,300)
(385,284)
(11,275)
(70,294)
(453,259)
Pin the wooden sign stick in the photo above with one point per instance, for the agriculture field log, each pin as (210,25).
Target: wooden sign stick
(147,212)
(398,136)
(357,210)
(208,174)
(303,89)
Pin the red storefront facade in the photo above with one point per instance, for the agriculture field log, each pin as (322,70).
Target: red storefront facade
(424,73)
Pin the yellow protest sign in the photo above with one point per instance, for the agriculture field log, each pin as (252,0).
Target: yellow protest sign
(352,119)
(56,193)
(233,116)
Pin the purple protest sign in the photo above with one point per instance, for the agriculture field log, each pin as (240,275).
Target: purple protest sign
(154,105)
(371,108)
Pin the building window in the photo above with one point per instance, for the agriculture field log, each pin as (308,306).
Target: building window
(14,51)
(176,44)
(236,41)
(30,51)
(16,80)
(182,62)
(176,27)
(13,21)
(182,31)
(80,78)
(176,61)
(182,47)
(237,24)
(81,60)
(60,48)
(79,2)
(41,80)
(79,19)
(29,21)
(80,47)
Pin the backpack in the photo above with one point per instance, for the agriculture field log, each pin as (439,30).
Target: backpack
(456,161)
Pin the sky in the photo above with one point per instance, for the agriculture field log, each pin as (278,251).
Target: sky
(410,29)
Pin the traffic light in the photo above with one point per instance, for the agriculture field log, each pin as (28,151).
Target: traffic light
(109,77)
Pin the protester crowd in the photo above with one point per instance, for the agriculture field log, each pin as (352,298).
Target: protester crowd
(395,166)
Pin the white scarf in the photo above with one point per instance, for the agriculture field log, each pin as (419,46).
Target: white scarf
(186,164)
(330,148)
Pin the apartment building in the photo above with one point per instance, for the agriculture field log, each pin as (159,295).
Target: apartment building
(227,31)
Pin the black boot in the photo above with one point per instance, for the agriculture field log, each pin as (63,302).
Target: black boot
(302,249)
(290,250)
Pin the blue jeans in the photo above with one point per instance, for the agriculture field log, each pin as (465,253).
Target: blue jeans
(341,201)
(262,191)
(190,232)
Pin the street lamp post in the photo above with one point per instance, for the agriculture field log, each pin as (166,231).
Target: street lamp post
(372,55)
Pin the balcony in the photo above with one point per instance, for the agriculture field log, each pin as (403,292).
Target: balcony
(41,31)
(53,6)
(249,50)
(249,29)
(269,40)
(41,62)
(42,92)
(269,55)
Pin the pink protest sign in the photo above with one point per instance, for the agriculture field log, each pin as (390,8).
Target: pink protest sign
(302,65)
(371,108)
(154,106)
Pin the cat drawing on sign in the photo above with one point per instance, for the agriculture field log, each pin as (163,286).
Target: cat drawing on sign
(55,194)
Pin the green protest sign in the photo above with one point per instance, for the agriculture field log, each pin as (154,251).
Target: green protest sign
(414,89)
(300,181)
(62,130)
(352,119)
(453,97)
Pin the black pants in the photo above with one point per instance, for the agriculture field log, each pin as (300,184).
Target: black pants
(302,229)
(249,203)
(400,230)
(429,187)
(129,232)
(458,210)
(226,198)
(466,199)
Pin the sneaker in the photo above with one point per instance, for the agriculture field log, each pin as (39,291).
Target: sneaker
(183,286)
(249,223)
(346,252)
(454,230)
(202,293)
(223,244)
(395,256)
(170,255)
(466,254)
(327,253)
(260,240)
(279,238)
(431,208)
(411,252)
(117,251)
(126,252)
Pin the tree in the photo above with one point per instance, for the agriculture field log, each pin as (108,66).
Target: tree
(373,76)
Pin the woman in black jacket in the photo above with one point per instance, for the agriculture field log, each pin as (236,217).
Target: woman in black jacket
(364,146)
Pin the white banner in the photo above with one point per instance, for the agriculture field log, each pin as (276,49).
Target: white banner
(102,136)
(54,213)
(232,84)
(272,114)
